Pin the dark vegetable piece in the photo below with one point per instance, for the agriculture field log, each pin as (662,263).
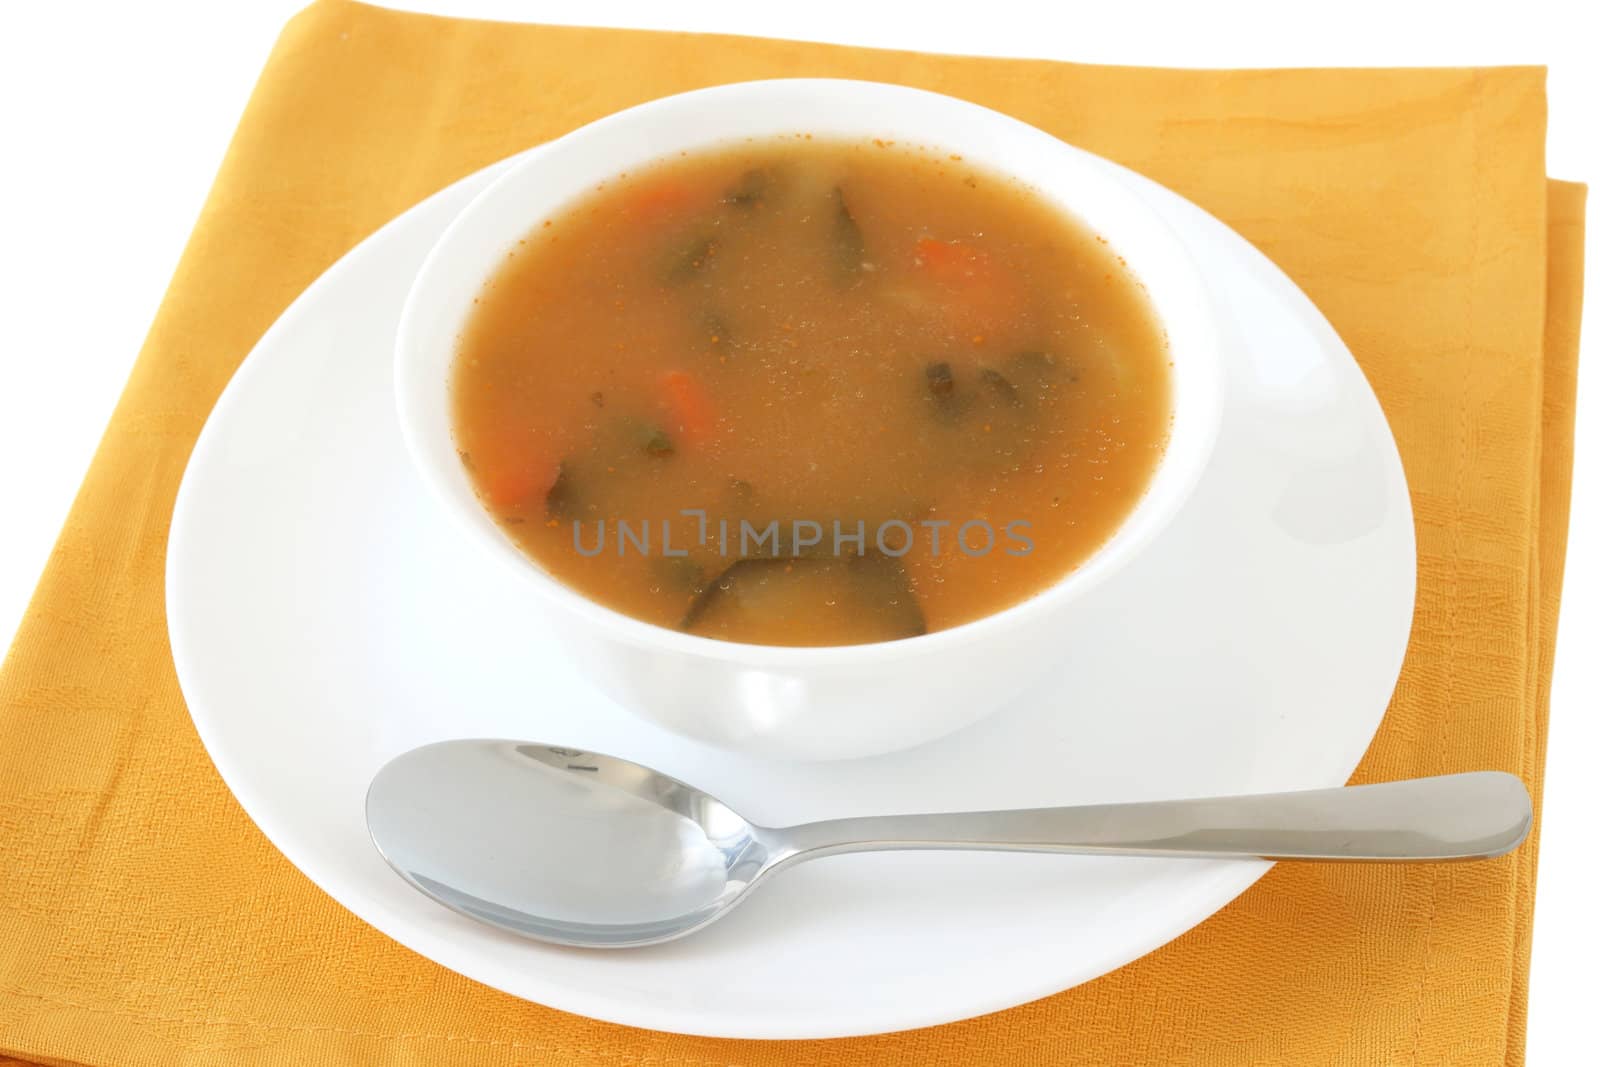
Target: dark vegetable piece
(703,600)
(689,261)
(1001,386)
(882,588)
(849,248)
(724,582)
(597,398)
(560,500)
(750,190)
(887,583)
(655,442)
(948,405)
(681,573)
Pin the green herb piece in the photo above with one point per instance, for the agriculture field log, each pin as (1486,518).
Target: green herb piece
(750,190)
(849,248)
(655,442)
(561,499)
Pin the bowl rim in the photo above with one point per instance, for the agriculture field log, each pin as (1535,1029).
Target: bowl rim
(1200,402)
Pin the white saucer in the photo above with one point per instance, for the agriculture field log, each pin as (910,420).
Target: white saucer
(324,618)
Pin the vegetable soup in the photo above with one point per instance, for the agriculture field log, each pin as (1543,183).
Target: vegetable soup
(805,392)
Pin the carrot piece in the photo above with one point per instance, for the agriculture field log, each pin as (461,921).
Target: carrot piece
(980,294)
(515,481)
(659,199)
(688,406)
(945,260)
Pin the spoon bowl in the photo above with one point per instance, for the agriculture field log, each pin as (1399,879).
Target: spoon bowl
(572,847)
(580,848)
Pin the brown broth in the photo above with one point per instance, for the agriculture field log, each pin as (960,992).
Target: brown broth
(820,331)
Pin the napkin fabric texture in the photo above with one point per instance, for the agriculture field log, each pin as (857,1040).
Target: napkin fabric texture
(145,921)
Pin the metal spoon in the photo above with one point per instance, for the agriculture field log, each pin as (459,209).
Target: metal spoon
(584,849)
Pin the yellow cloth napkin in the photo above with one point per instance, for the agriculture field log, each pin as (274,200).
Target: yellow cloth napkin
(143,918)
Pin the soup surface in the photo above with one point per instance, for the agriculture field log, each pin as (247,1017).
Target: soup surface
(804,392)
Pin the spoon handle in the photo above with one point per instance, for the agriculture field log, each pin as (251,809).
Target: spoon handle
(1451,817)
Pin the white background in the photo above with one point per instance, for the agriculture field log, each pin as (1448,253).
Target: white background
(114,117)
